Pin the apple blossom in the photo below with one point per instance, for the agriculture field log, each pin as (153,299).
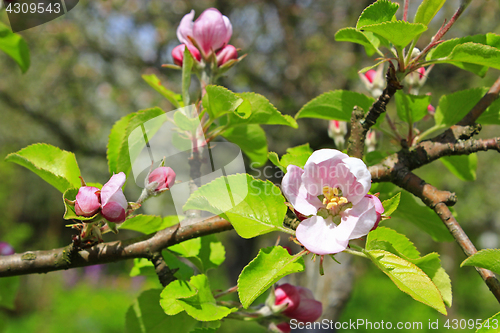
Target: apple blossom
(225,54)
(113,200)
(178,53)
(6,249)
(301,303)
(87,201)
(337,130)
(371,140)
(374,81)
(331,191)
(211,31)
(163,176)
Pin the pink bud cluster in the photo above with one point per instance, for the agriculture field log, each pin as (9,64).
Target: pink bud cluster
(110,200)
(301,304)
(208,34)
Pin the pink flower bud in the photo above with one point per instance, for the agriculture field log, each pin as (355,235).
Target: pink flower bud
(113,200)
(370,75)
(284,327)
(6,249)
(421,71)
(301,303)
(178,53)
(431,110)
(379,208)
(212,30)
(185,28)
(87,201)
(225,54)
(164,176)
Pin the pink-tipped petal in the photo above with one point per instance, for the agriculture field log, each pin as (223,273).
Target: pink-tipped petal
(319,236)
(370,75)
(356,189)
(227,53)
(210,31)
(87,201)
(113,200)
(185,28)
(178,53)
(296,193)
(113,185)
(163,176)
(113,212)
(379,209)
(289,294)
(321,170)
(357,221)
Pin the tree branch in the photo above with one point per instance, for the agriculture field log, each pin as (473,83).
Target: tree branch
(142,247)
(165,274)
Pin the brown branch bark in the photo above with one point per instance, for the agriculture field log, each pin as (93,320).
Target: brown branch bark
(142,247)
(165,274)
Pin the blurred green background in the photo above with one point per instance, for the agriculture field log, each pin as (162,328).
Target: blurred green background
(86,74)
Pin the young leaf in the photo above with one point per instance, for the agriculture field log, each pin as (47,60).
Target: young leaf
(184,271)
(142,266)
(8,291)
(297,156)
(202,306)
(252,141)
(146,316)
(452,108)
(147,224)
(400,242)
(491,116)
(204,252)
(219,101)
(488,258)
(187,64)
(128,137)
(399,33)
(411,108)
(262,112)
(253,207)
(57,167)
(427,10)
(408,278)
(274,158)
(155,83)
(270,265)
(490,325)
(355,36)
(423,217)
(473,53)
(172,292)
(390,205)
(462,166)
(378,12)
(15,47)
(335,105)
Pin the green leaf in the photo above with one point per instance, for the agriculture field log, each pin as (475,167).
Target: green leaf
(15,47)
(462,166)
(408,278)
(491,116)
(8,291)
(262,112)
(354,36)
(452,108)
(252,141)
(400,242)
(411,108)
(270,265)
(204,252)
(146,316)
(254,207)
(431,265)
(57,167)
(378,12)
(399,33)
(195,298)
(155,83)
(128,137)
(488,258)
(187,65)
(423,217)
(390,205)
(147,224)
(490,325)
(274,158)
(69,213)
(219,101)
(142,266)
(186,123)
(296,156)
(427,10)
(184,271)
(335,105)
(473,53)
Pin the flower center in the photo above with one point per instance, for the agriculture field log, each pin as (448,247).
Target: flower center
(334,201)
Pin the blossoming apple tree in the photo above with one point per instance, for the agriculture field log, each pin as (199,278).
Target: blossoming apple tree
(326,199)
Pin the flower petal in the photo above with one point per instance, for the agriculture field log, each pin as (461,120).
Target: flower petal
(210,31)
(113,185)
(356,188)
(113,212)
(185,28)
(357,221)
(296,193)
(321,170)
(319,236)
(87,201)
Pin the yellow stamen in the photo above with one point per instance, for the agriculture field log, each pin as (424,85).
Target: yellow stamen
(333,199)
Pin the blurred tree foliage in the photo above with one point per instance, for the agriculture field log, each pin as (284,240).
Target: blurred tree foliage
(86,74)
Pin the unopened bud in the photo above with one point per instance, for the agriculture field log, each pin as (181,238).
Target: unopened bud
(6,249)
(227,53)
(164,177)
(178,53)
(88,201)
